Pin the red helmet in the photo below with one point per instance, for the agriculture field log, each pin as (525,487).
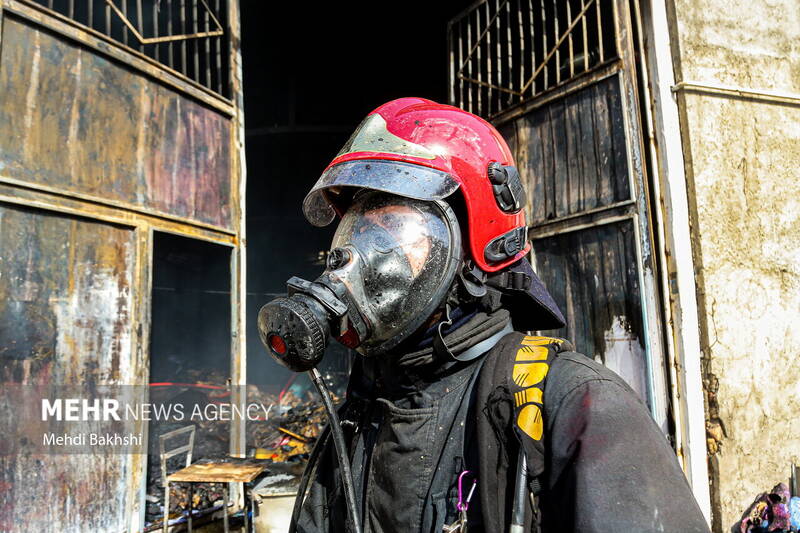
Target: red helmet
(420,149)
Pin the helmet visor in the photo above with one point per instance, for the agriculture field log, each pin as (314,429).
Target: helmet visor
(403,179)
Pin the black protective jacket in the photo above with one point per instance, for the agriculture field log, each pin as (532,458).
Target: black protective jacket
(600,464)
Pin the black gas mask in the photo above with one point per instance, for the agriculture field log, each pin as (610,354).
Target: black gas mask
(391,264)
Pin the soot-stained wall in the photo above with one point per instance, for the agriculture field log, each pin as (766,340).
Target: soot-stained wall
(742,156)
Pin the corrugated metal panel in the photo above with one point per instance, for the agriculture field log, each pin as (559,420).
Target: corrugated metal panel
(77,122)
(66,314)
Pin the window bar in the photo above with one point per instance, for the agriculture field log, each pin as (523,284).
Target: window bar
(195,44)
(556,43)
(532,36)
(499,56)
(544,49)
(184,64)
(469,66)
(571,46)
(460,65)
(451,80)
(585,37)
(479,87)
(139,22)
(155,29)
(510,56)
(91,13)
(490,96)
(522,57)
(71,9)
(124,27)
(207,45)
(170,51)
(108,20)
(49,4)
(599,32)
(218,46)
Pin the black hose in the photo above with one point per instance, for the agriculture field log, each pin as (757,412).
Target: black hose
(520,493)
(341,451)
(320,445)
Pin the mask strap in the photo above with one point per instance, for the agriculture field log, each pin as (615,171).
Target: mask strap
(438,339)
(484,346)
(440,346)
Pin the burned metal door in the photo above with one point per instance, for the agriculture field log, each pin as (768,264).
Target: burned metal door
(558,79)
(67,316)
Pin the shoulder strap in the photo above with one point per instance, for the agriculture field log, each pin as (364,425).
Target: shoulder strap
(511,393)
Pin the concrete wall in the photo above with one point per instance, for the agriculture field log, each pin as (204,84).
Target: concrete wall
(742,158)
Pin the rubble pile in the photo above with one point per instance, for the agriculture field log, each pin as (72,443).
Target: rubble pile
(286,433)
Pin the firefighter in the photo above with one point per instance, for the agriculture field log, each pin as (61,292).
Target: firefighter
(454,418)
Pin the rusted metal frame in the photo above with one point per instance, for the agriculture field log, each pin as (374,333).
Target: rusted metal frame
(144,283)
(109,47)
(479,36)
(581,81)
(82,205)
(151,40)
(556,46)
(239,253)
(650,297)
(582,222)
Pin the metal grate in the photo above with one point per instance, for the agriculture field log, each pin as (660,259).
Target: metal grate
(505,52)
(188,36)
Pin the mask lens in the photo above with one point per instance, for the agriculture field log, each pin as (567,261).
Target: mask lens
(404,250)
